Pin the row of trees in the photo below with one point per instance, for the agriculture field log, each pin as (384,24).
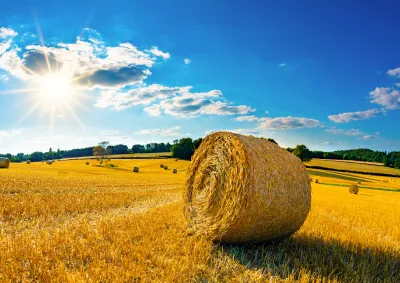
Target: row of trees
(185,147)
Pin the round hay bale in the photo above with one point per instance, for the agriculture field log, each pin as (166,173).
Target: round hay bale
(87,162)
(28,162)
(4,163)
(136,169)
(165,167)
(161,165)
(176,159)
(49,162)
(174,171)
(316,181)
(353,189)
(243,189)
(359,182)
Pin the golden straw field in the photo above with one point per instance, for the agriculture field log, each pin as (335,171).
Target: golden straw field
(71,222)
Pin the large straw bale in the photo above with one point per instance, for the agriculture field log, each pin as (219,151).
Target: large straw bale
(161,165)
(87,163)
(136,169)
(165,167)
(242,189)
(353,189)
(4,163)
(174,171)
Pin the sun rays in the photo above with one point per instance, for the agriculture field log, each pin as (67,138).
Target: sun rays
(51,91)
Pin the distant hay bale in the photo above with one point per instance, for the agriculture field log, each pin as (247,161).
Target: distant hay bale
(311,179)
(353,189)
(87,162)
(243,189)
(359,182)
(174,171)
(316,181)
(136,169)
(28,162)
(161,165)
(49,162)
(176,159)
(165,167)
(4,163)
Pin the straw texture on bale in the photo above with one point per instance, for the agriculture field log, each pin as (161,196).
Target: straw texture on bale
(353,189)
(161,165)
(4,163)
(174,170)
(136,169)
(242,189)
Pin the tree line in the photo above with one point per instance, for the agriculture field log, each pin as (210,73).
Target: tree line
(185,148)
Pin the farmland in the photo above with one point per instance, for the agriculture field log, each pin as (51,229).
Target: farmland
(75,222)
(367,167)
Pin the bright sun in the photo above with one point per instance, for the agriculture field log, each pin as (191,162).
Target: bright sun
(55,89)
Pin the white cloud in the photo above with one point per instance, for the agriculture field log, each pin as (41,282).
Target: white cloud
(250,118)
(368,137)
(169,132)
(254,132)
(157,52)
(7,33)
(87,59)
(145,95)
(5,45)
(187,61)
(282,65)
(286,123)
(354,116)
(154,110)
(394,72)
(351,132)
(109,133)
(326,143)
(386,97)
(10,133)
(190,105)
(4,78)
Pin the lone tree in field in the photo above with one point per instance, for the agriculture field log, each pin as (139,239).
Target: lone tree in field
(101,151)
(302,152)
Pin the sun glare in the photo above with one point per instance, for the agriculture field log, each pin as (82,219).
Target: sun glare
(55,89)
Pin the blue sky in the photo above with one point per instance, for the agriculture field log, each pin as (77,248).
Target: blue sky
(322,73)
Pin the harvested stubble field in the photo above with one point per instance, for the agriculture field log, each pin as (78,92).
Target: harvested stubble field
(72,222)
(358,166)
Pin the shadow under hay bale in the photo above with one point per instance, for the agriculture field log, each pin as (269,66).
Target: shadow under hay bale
(4,163)
(251,190)
(353,189)
(296,255)
(174,171)
(136,169)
